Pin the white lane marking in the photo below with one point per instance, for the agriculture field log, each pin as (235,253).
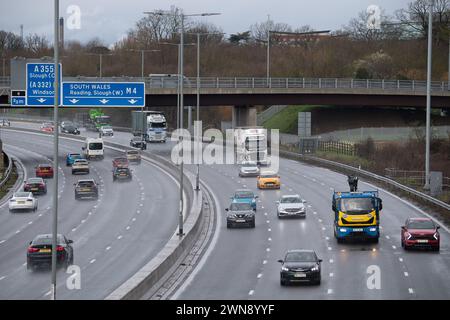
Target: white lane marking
(40,215)
(270,239)
(406,274)
(320,220)
(48,293)
(262,207)
(134,219)
(138,211)
(315,212)
(18,231)
(331,188)
(410,290)
(387,237)
(330,291)
(268,249)
(259,275)
(31,222)
(2,277)
(394,247)
(24,264)
(108,248)
(2,241)
(265,213)
(327,238)
(83,221)
(331,260)
(251,292)
(74,229)
(127,228)
(323,228)
(268,221)
(265,261)
(400,259)
(92,261)
(330,248)
(331,274)
(119,237)
(269,229)
(89,213)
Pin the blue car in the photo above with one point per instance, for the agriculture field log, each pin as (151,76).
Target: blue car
(71,157)
(245,196)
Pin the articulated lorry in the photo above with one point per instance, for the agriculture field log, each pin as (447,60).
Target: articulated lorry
(356,215)
(152,125)
(251,145)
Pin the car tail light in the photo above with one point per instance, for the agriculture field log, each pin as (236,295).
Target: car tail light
(59,248)
(42,185)
(436,236)
(408,235)
(29,199)
(32,250)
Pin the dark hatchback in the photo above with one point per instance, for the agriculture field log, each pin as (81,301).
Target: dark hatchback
(69,127)
(35,186)
(39,252)
(86,189)
(120,173)
(138,142)
(300,266)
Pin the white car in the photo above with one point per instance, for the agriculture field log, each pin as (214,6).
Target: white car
(80,165)
(291,206)
(23,201)
(106,131)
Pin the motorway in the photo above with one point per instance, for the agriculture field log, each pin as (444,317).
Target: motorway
(242,263)
(113,236)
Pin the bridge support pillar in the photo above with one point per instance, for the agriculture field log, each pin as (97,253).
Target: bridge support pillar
(243,116)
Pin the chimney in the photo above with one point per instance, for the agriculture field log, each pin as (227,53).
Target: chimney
(61,32)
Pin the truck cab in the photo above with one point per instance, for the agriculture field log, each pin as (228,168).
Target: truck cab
(156,128)
(356,215)
(93,148)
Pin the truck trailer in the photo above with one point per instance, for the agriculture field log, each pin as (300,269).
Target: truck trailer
(152,125)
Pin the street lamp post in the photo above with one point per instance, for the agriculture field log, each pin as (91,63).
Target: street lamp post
(181,78)
(428,116)
(142,51)
(55,148)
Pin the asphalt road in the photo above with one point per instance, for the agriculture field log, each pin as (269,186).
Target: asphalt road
(242,263)
(113,237)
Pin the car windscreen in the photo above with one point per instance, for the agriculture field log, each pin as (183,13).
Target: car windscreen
(300,257)
(243,194)
(356,205)
(21,194)
(122,170)
(34,180)
(47,240)
(107,127)
(240,207)
(158,124)
(290,200)
(80,161)
(269,176)
(86,184)
(421,224)
(43,166)
(132,152)
(95,146)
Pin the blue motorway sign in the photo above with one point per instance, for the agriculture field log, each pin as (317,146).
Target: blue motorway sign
(107,94)
(40,83)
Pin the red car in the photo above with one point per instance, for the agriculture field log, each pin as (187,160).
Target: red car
(420,233)
(35,185)
(120,162)
(47,127)
(44,171)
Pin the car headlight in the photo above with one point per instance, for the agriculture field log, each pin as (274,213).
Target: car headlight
(231,216)
(369,215)
(436,236)
(315,268)
(373,229)
(343,229)
(284,269)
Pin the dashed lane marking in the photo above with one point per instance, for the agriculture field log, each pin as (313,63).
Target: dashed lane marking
(411,291)
(259,275)
(330,291)
(406,274)
(92,261)
(251,292)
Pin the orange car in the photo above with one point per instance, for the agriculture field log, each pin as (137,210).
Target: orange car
(47,127)
(268,180)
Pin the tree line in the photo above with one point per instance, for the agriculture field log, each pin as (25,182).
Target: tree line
(397,50)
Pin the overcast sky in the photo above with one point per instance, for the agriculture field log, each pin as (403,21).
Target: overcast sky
(111,19)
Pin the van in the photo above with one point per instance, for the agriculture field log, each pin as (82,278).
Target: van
(93,148)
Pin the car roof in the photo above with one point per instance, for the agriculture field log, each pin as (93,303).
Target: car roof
(291,196)
(420,219)
(300,250)
(21,194)
(86,180)
(44,165)
(243,190)
(35,178)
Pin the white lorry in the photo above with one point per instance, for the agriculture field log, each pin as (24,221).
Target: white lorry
(93,148)
(251,145)
(152,125)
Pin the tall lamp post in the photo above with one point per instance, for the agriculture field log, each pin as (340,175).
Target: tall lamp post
(100,60)
(182,16)
(142,51)
(55,147)
(428,123)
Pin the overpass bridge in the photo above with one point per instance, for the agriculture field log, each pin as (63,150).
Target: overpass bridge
(244,93)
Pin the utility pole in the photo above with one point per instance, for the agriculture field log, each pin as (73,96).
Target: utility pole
(55,149)
(428,123)
(197,140)
(268,49)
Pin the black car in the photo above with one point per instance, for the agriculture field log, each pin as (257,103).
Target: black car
(122,173)
(35,186)
(69,127)
(138,142)
(300,266)
(86,189)
(39,252)
(240,214)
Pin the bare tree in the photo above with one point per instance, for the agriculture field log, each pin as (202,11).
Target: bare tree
(36,44)
(10,42)
(259,30)
(416,18)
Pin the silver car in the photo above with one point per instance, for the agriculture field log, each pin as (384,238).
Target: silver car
(23,201)
(291,206)
(106,131)
(249,169)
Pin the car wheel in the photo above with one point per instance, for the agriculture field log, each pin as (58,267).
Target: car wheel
(283,282)
(436,248)
(375,240)
(252,224)
(340,240)
(402,243)
(229,225)
(406,247)
(318,281)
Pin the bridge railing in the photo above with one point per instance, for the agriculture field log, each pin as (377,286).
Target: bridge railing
(270,83)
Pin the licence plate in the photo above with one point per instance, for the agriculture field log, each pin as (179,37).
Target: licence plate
(358,230)
(20,202)
(300,275)
(45,250)
(240,220)
(34,189)
(422,241)
(84,190)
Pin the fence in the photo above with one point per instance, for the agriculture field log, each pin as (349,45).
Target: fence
(347,148)
(413,178)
